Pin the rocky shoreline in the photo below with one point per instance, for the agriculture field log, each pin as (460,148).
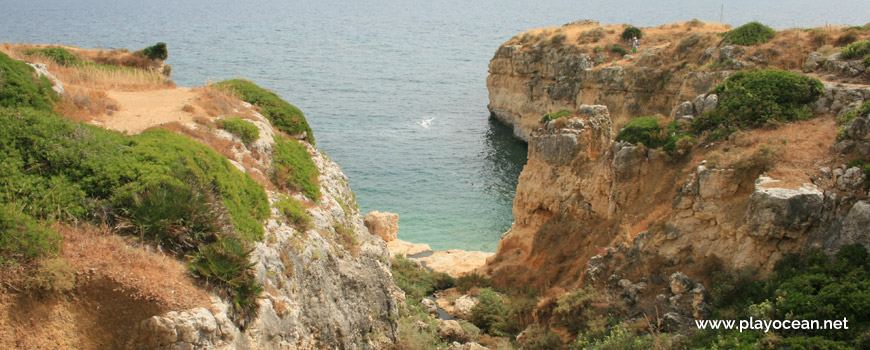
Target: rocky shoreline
(454,262)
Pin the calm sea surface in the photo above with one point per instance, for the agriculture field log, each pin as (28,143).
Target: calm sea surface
(395,90)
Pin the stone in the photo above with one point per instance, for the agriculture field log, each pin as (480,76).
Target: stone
(430,306)
(777,212)
(42,70)
(852,181)
(467,346)
(854,227)
(451,331)
(462,307)
(680,283)
(455,262)
(403,248)
(685,108)
(420,325)
(671,321)
(384,225)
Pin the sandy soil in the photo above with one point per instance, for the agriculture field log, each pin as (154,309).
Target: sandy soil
(141,110)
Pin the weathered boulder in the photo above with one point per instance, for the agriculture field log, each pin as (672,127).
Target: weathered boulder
(384,225)
(680,283)
(462,307)
(854,227)
(430,306)
(779,212)
(467,346)
(852,181)
(451,331)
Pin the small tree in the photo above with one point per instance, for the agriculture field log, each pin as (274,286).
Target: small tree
(158,51)
(632,32)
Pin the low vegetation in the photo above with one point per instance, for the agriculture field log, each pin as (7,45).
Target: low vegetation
(294,213)
(674,139)
(243,129)
(416,281)
(751,99)
(283,116)
(856,50)
(157,186)
(555,115)
(293,168)
(751,33)
(19,86)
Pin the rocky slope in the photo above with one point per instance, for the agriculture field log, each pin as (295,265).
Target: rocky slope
(327,285)
(319,293)
(589,208)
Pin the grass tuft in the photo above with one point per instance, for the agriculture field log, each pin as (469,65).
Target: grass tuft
(281,114)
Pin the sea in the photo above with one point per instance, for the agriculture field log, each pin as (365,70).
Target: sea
(394,89)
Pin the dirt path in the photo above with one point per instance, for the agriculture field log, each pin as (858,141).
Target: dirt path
(140,110)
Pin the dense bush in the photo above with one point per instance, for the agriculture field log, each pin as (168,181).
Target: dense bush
(619,49)
(281,114)
(243,129)
(158,51)
(555,115)
(491,312)
(416,281)
(631,32)
(179,216)
(58,55)
(749,34)
(294,213)
(293,167)
(19,86)
(645,130)
(22,238)
(472,280)
(856,50)
(750,99)
(226,262)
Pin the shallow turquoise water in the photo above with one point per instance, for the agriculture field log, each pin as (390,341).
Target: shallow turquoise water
(395,90)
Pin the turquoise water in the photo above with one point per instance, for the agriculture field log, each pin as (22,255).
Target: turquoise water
(395,90)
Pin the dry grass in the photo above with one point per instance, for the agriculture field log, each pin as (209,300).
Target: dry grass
(680,44)
(801,148)
(218,103)
(95,252)
(117,286)
(92,76)
(83,105)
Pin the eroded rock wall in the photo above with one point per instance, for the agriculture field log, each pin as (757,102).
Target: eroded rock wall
(321,292)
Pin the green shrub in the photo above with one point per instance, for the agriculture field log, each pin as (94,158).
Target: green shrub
(618,49)
(856,49)
(750,99)
(22,238)
(491,312)
(227,264)
(293,168)
(555,115)
(557,39)
(645,130)
(416,281)
(20,87)
(749,34)
(472,280)
(180,217)
(243,129)
(631,32)
(158,51)
(281,114)
(61,169)
(294,213)
(58,55)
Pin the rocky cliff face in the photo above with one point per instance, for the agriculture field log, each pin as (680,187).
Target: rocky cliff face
(320,292)
(590,208)
(585,201)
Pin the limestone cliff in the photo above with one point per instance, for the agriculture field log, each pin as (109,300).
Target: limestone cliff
(320,292)
(589,208)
